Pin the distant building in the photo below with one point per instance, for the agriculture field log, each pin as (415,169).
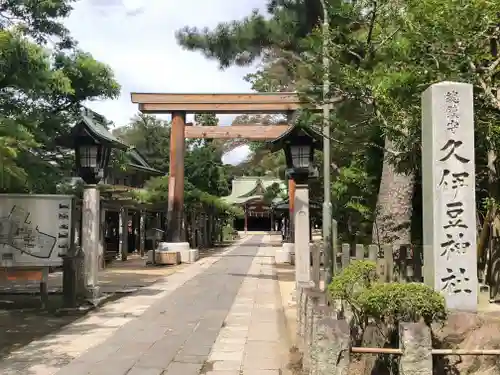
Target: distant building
(248,193)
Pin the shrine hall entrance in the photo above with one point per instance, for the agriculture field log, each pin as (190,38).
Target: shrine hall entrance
(254,224)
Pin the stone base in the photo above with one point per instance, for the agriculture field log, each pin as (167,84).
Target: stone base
(187,255)
(164,257)
(284,255)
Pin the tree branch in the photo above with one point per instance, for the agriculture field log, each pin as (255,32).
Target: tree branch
(370,29)
(386,39)
(493,66)
(488,91)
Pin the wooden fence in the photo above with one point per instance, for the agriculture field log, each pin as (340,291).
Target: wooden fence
(402,264)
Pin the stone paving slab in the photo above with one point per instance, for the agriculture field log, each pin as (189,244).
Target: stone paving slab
(133,329)
(250,342)
(220,316)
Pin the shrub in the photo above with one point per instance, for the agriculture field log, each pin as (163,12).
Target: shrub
(352,280)
(398,302)
(368,299)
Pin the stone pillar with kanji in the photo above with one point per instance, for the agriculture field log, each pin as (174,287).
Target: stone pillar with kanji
(448,185)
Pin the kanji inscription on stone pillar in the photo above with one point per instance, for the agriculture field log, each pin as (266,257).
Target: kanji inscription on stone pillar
(448,184)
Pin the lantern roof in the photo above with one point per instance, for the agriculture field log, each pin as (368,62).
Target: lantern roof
(284,205)
(298,133)
(93,125)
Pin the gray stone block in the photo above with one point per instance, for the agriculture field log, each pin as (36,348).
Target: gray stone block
(416,343)
(330,350)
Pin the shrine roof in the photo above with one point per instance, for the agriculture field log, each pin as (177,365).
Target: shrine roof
(248,188)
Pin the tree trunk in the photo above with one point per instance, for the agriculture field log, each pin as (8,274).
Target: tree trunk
(392,226)
(394,204)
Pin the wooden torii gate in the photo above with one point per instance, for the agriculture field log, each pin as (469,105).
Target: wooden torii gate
(178,105)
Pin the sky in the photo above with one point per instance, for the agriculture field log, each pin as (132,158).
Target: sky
(137,39)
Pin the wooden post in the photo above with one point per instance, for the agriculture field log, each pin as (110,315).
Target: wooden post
(102,237)
(123,232)
(246,219)
(176,178)
(291,206)
(136,227)
(142,232)
(199,230)
(193,228)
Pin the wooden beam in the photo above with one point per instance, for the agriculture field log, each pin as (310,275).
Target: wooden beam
(265,103)
(218,103)
(249,98)
(232,108)
(251,132)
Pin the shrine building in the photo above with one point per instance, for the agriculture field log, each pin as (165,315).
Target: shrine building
(248,193)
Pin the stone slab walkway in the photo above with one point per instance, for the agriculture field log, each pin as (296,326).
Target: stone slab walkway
(222,315)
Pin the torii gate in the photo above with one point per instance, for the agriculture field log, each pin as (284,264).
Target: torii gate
(178,105)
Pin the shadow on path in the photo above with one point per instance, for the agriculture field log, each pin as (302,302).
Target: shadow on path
(23,321)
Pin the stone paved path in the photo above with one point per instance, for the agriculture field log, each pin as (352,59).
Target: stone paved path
(222,315)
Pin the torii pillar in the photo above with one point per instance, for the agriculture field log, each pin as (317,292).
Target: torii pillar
(175,210)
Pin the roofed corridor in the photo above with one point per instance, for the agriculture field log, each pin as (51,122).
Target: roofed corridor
(222,315)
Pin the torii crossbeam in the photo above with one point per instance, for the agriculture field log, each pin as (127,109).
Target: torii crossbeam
(178,105)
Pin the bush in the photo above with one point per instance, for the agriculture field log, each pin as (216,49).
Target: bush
(369,300)
(352,280)
(399,302)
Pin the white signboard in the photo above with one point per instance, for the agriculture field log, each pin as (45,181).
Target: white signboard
(34,229)
(448,183)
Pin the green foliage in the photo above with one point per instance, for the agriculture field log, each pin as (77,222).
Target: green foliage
(150,136)
(272,192)
(384,303)
(382,55)
(352,280)
(204,169)
(42,90)
(402,303)
(206,119)
(241,42)
(229,233)
(206,178)
(40,20)
(156,191)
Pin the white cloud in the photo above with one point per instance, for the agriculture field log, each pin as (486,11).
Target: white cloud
(137,39)
(237,155)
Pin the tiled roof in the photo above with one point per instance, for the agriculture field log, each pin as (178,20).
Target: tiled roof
(245,189)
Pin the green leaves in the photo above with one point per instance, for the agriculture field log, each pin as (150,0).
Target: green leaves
(41,90)
(151,136)
(402,303)
(358,286)
(40,20)
(206,178)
